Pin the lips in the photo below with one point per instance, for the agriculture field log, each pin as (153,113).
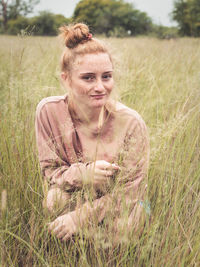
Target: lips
(98,96)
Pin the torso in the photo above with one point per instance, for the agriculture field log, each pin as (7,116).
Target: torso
(74,138)
(105,144)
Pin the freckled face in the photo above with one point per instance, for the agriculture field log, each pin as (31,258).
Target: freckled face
(91,80)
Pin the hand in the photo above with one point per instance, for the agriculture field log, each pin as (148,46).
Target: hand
(100,172)
(64,226)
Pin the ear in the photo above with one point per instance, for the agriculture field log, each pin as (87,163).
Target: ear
(65,79)
(64,76)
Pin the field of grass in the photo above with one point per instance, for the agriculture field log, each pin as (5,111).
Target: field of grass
(158,78)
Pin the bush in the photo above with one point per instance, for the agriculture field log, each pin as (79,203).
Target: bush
(47,23)
(44,24)
(119,32)
(112,16)
(163,32)
(18,25)
(60,20)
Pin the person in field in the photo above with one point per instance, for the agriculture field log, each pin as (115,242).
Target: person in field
(93,151)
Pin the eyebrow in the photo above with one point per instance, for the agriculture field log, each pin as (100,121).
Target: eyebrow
(91,73)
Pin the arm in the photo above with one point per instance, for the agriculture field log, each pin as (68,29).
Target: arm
(130,183)
(135,161)
(128,191)
(133,180)
(53,158)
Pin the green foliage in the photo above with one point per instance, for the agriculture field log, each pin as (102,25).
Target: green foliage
(110,17)
(187,14)
(163,32)
(45,23)
(14,9)
(20,8)
(119,32)
(17,25)
(60,20)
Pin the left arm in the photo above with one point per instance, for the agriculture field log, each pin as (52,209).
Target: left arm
(132,180)
(135,161)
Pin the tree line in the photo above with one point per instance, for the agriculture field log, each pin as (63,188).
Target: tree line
(110,17)
(187,15)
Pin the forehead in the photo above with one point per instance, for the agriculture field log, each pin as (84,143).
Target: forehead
(93,63)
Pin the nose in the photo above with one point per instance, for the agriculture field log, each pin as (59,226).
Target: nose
(99,87)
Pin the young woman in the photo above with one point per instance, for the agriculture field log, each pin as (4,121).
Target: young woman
(93,151)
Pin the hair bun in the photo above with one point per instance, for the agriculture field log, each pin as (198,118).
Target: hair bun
(74,34)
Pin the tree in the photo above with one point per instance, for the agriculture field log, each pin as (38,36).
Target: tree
(187,14)
(110,16)
(47,23)
(18,25)
(12,9)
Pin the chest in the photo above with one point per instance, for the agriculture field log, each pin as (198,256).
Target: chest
(105,145)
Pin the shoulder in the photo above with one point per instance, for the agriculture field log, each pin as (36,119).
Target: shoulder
(127,115)
(51,104)
(136,128)
(126,111)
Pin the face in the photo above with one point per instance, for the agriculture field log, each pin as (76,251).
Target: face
(91,80)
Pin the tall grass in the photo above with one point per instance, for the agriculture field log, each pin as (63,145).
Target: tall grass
(159,79)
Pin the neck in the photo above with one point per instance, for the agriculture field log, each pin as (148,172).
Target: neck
(87,115)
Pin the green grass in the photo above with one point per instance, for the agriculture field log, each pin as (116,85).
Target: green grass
(159,79)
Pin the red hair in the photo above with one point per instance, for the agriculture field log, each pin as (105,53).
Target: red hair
(78,41)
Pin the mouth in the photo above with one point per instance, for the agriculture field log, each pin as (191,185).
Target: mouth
(100,96)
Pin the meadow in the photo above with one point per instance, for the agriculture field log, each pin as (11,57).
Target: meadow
(158,78)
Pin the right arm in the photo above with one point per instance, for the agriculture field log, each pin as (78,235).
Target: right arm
(54,163)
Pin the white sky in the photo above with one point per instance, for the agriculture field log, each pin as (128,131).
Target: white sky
(158,10)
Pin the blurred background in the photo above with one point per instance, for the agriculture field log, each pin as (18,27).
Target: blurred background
(115,18)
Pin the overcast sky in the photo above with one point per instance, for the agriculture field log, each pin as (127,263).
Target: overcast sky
(158,10)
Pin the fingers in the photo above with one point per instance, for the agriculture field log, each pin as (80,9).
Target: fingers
(67,237)
(104,173)
(60,231)
(113,167)
(100,172)
(63,227)
(51,226)
(56,227)
(104,165)
(62,234)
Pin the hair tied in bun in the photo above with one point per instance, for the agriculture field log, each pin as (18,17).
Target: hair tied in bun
(79,41)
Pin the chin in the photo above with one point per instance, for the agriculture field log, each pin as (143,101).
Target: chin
(99,103)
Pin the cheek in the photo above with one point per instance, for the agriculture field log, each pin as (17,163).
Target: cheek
(83,90)
(79,89)
(111,86)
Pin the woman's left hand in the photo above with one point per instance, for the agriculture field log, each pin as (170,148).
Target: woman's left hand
(64,226)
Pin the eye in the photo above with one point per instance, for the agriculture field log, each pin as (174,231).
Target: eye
(107,76)
(88,78)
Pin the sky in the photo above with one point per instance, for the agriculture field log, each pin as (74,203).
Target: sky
(158,10)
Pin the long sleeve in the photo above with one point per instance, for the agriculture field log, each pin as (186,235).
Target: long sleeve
(54,136)
(135,161)
(130,183)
